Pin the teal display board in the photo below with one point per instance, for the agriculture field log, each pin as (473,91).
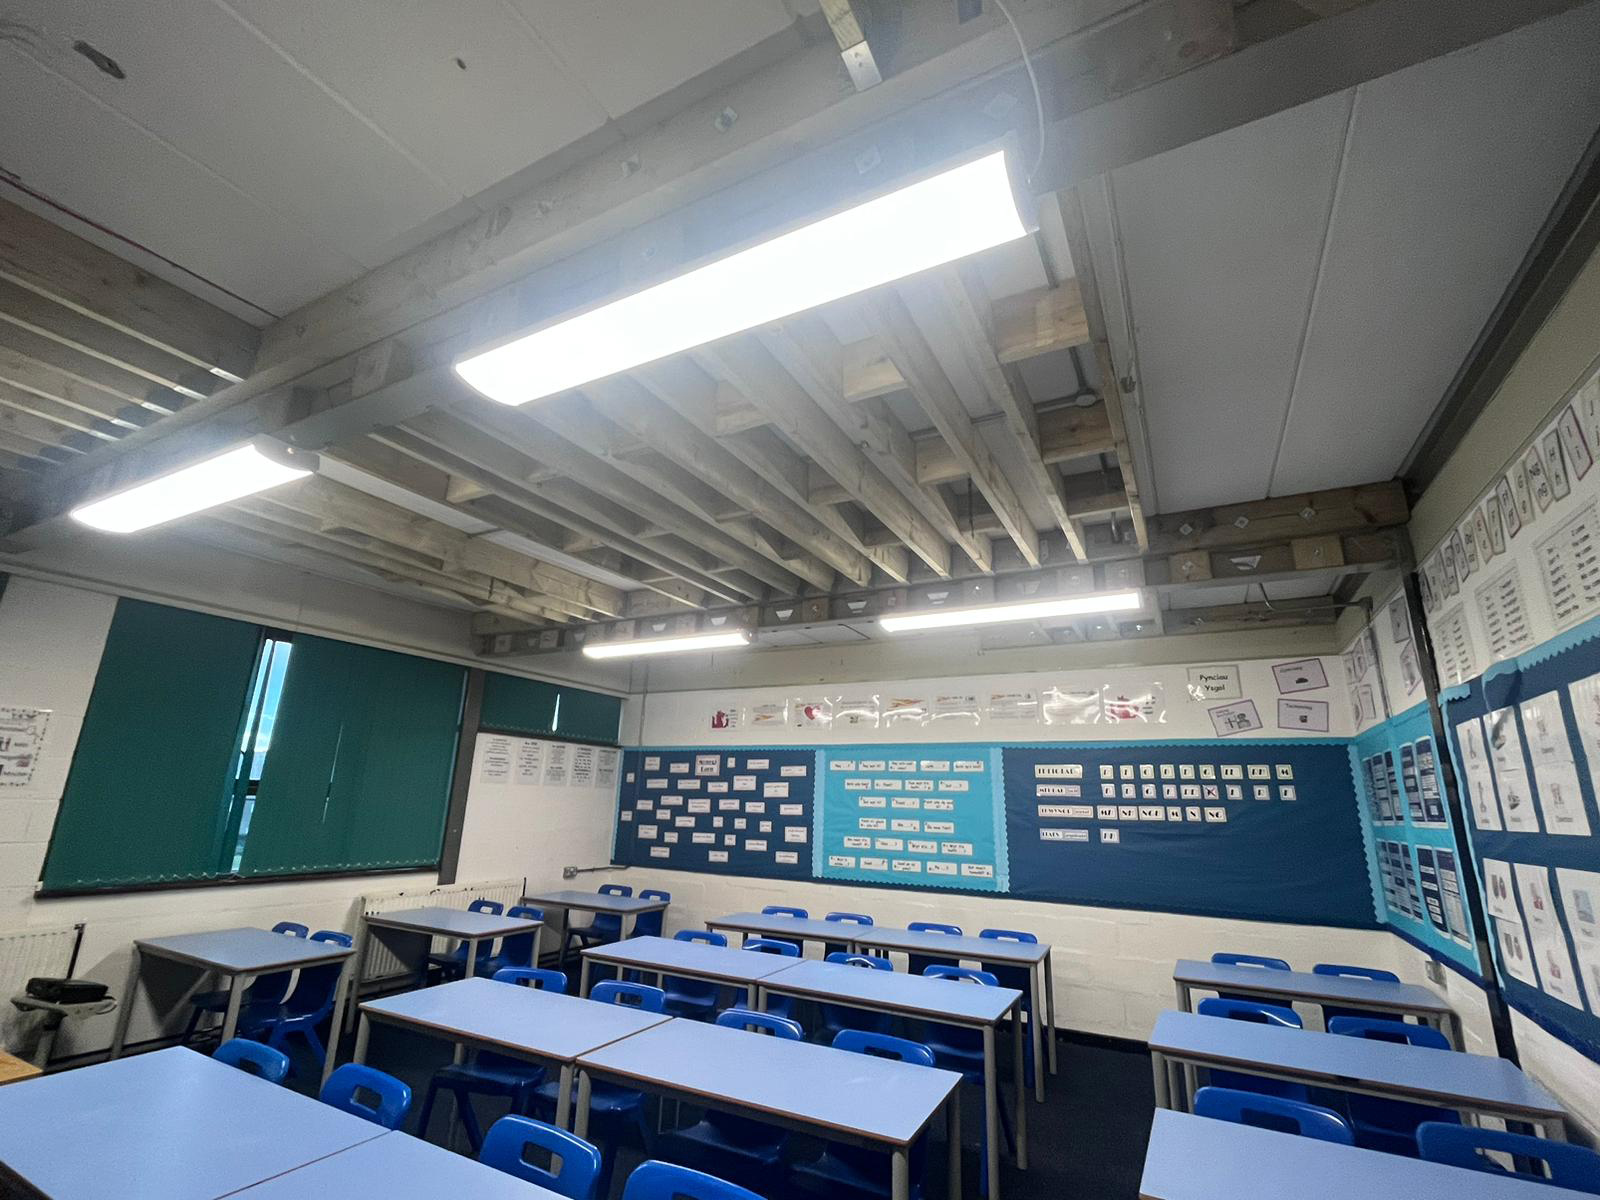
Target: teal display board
(1413,848)
(927,816)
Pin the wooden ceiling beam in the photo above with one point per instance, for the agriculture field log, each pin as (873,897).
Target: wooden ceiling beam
(108,377)
(1308,514)
(70,420)
(50,382)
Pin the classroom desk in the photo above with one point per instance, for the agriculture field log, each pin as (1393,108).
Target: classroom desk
(1472,1083)
(1341,991)
(168,1125)
(396,1166)
(626,909)
(407,933)
(947,1002)
(799,930)
(543,1027)
(1194,1158)
(690,960)
(817,1090)
(237,955)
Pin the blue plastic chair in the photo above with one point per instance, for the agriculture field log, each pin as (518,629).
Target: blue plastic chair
(652,1180)
(267,989)
(604,928)
(836,1018)
(1272,1112)
(1391,1125)
(1330,1011)
(611,1106)
(857,1169)
(782,1005)
(843,918)
(1260,1014)
(744,1149)
(453,964)
(649,924)
(1228,958)
(308,1006)
(253,1058)
(488,1073)
(693,998)
(515,950)
(783,910)
(506,1149)
(348,1087)
(1569,1166)
(918,964)
(961,1050)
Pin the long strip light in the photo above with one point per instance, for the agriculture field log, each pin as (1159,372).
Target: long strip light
(243,471)
(924,224)
(992,614)
(668,645)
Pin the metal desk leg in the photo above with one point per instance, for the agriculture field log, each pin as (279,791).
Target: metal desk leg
(583,977)
(472,958)
(1555,1129)
(581,1120)
(758,997)
(230,1023)
(564,1100)
(1182,990)
(125,1009)
(1050,1006)
(900,1186)
(363,1035)
(363,945)
(1191,1085)
(952,1118)
(333,1028)
(1020,1089)
(991,1112)
(1036,1018)
(1158,1067)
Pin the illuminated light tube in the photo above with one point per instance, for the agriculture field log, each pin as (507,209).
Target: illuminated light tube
(668,645)
(993,614)
(936,220)
(243,471)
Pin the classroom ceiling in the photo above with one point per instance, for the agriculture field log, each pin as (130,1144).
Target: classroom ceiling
(1257,296)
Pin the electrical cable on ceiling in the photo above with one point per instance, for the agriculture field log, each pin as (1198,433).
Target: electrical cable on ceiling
(1038,100)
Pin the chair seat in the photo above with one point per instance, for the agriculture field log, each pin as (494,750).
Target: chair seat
(833,1172)
(603,1097)
(749,1141)
(509,1075)
(684,1004)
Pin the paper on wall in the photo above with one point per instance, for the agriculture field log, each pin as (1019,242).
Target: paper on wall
(1546,940)
(954,706)
(1477,774)
(583,766)
(1560,796)
(773,712)
(1221,682)
(1240,717)
(22,731)
(555,764)
(905,710)
(1019,706)
(1142,702)
(1510,772)
(1516,957)
(727,714)
(1580,900)
(530,762)
(1302,675)
(605,772)
(1070,706)
(857,712)
(811,712)
(1305,716)
(1555,465)
(494,758)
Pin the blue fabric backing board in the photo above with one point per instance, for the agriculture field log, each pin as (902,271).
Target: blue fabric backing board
(1267,830)
(730,811)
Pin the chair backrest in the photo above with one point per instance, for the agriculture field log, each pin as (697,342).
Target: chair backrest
(934,927)
(1378,1030)
(1355,972)
(882,1045)
(292,928)
(744,1018)
(614,889)
(773,946)
(630,995)
(649,924)
(334,936)
(1272,1112)
(574,1163)
(493,907)
(368,1093)
(525,912)
(656,1180)
(313,992)
(704,936)
(961,974)
(849,918)
(540,978)
(875,961)
(1250,1010)
(783,910)
(1010,935)
(516,950)
(1229,959)
(1570,1166)
(654,894)
(253,1058)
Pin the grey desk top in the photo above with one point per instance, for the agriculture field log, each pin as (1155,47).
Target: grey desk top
(794,929)
(452,922)
(1447,1077)
(891,991)
(878,1099)
(947,945)
(595,902)
(1303,985)
(1194,1158)
(169,1125)
(242,951)
(723,963)
(513,1018)
(396,1166)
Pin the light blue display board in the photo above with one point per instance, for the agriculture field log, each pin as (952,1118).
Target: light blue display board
(912,816)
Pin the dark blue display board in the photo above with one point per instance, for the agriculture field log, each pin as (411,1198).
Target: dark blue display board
(725,811)
(1539,720)
(1263,830)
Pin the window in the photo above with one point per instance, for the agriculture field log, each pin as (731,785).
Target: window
(512,704)
(261,716)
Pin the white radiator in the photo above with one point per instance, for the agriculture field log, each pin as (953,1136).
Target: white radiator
(383,965)
(25,953)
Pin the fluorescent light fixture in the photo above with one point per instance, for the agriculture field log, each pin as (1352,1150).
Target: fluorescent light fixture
(668,645)
(936,220)
(992,614)
(253,467)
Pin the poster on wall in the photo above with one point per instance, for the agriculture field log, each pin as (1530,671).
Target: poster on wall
(1303,716)
(954,708)
(1477,775)
(1546,941)
(583,766)
(495,754)
(22,731)
(1510,775)
(1019,706)
(1145,703)
(1580,900)
(859,711)
(530,762)
(605,771)
(1207,684)
(727,715)
(1070,706)
(1302,675)
(769,714)
(905,711)
(1555,775)
(1231,719)
(555,764)
(813,713)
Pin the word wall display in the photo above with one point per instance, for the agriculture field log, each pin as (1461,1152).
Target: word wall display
(734,812)
(1264,830)
(922,815)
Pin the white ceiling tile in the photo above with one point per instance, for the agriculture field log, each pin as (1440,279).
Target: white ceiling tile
(1453,165)
(1220,247)
(629,52)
